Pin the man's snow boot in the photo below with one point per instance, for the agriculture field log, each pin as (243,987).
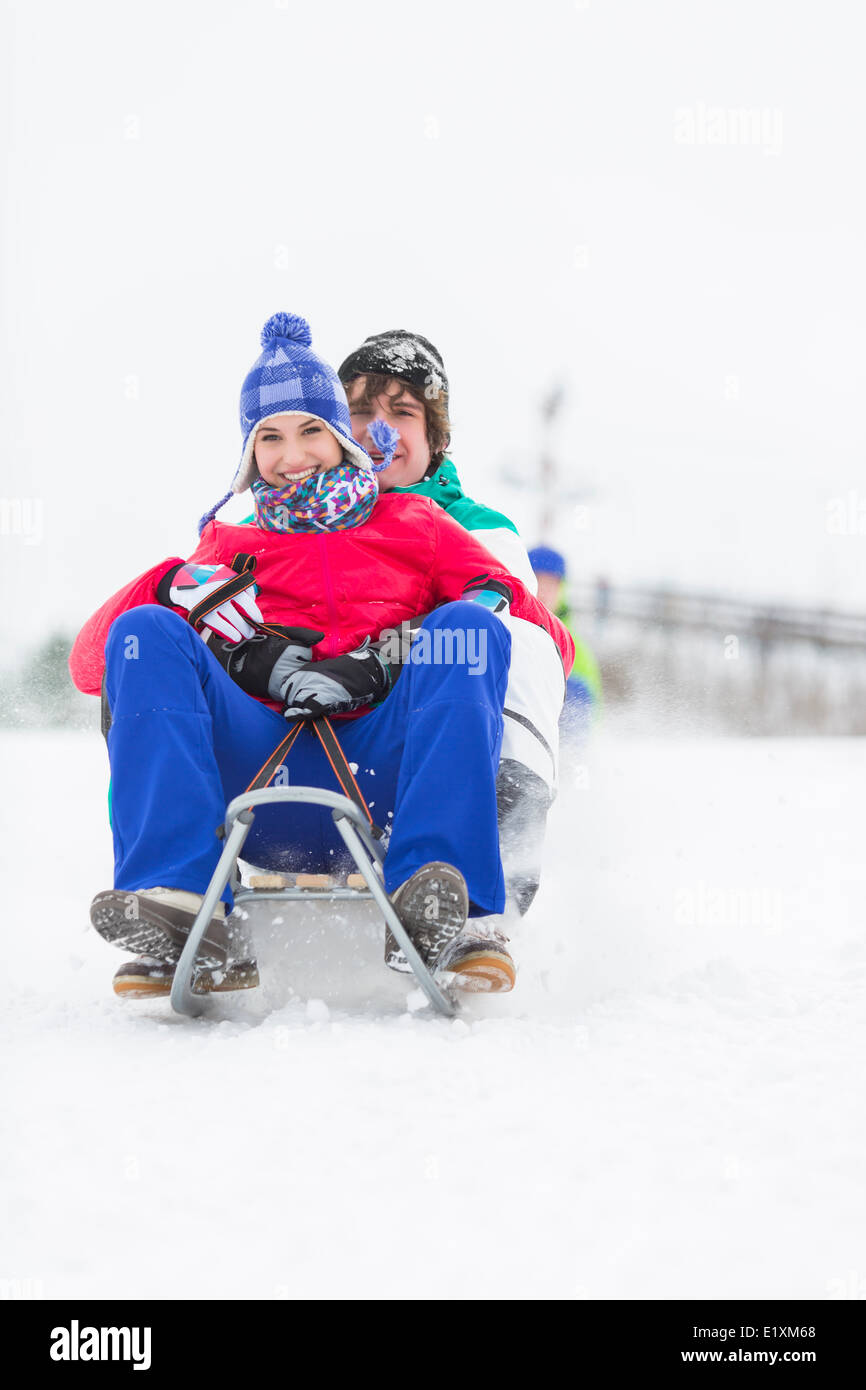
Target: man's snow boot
(432,905)
(480,959)
(523,800)
(156,923)
(149,978)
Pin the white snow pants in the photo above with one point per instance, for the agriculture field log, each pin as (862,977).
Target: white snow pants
(533,700)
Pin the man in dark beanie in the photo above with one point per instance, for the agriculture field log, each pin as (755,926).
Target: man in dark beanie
(400,377)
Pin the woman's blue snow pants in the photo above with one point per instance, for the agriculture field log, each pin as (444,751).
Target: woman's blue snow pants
(185,739)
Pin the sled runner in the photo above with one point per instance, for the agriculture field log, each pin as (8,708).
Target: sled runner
(354,823)
(367,856)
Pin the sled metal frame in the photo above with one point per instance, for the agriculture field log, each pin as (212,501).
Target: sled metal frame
(367,855)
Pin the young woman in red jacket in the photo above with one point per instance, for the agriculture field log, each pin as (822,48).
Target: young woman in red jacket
(334,573)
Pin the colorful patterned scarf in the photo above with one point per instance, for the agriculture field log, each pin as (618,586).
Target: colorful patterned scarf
(335,500)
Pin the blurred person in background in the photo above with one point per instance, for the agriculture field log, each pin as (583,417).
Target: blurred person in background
(583,685)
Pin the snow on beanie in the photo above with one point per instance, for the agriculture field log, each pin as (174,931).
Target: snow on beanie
(289,378)
(398,353)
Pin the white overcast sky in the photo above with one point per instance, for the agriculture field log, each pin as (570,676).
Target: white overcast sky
(554,191)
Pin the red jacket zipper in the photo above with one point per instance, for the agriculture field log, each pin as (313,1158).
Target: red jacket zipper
(333,644)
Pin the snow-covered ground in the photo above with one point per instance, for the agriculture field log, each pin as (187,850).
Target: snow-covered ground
(668,1106)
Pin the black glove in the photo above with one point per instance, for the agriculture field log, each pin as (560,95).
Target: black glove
(262,664)
(336,684)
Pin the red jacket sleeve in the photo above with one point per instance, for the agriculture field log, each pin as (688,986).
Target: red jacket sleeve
(87,658)
(461,558)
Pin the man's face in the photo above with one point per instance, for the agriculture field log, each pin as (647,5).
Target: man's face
(399,409)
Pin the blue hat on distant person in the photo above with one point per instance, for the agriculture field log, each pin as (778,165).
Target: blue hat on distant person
(545,560)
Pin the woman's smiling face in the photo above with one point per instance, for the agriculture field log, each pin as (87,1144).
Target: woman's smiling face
(290,448)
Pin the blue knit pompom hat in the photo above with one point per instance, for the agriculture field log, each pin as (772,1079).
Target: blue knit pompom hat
(289,378)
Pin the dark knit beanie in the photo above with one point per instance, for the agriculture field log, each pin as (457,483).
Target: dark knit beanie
(398,353)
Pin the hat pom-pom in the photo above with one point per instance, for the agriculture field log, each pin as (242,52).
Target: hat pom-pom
(386,440)
(290,326)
